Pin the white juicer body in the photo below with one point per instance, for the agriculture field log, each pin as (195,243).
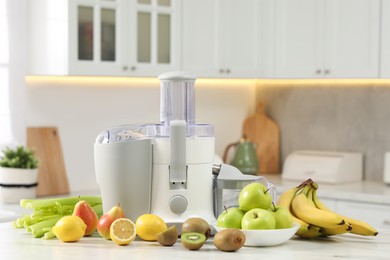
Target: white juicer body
(177,202)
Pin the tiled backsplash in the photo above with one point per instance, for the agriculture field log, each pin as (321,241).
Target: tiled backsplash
(328,117)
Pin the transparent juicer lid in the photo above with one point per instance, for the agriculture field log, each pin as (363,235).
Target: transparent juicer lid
(177,102)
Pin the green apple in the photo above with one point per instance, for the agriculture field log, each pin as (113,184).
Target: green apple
(230,218)
(258,219)
(283,217)
(254,195)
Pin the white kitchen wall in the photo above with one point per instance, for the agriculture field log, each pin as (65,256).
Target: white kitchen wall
(82,107)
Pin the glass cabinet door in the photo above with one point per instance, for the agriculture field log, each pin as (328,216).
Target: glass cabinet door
(97,26)
(85,32)
(108,32)
(125,37)
(155,32)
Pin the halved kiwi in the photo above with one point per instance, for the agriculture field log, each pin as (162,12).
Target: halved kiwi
(168,237)
(197,225)
(193,240)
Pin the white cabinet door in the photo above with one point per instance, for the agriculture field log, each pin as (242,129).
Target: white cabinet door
(299,38)
(96,43)
(200,34)
(238,26)
(220,38)
(376,215)
(326,38)
(154,39)
(385,40)
(353,39)
(100,37)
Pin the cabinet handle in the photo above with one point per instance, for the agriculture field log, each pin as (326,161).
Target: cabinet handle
(133,68)
(327,71)
(228,71)
(318,71)
(124,68)
(386,222)
(221,71)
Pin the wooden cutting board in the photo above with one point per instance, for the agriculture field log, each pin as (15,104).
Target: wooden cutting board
(52,178)
(263,131)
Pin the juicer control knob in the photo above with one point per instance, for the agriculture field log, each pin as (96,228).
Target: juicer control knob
(178,204)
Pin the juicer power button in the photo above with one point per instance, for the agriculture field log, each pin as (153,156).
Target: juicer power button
(178,204)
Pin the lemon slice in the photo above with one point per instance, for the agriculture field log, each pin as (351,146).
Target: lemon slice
(122,231)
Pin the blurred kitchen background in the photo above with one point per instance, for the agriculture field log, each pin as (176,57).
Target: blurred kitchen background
(321,69)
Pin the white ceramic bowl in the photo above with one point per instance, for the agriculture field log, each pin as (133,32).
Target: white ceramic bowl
(266,237)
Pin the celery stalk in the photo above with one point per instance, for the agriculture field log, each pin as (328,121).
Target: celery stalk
(49,235)
(35,204)
(46,223)
(98,210)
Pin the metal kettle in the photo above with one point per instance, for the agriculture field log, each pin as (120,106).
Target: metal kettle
(244,158)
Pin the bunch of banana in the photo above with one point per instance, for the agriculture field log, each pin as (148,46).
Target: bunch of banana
(315,218)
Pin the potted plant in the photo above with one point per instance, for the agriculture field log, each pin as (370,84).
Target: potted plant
(18,174)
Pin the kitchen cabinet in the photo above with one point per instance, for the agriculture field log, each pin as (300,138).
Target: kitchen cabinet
(378,215)
(326,38)
(102,37)
(221,38)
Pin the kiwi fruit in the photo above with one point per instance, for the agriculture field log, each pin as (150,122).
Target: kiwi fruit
(168,237)
(192,240)
(197,225)
(229,240)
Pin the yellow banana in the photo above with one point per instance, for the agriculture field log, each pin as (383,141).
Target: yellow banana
(306,211)
(313,232)
(358,227)
(285,200)
(286,197)
(304,227)
(336,231)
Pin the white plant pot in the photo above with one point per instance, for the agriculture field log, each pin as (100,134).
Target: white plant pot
(17,184)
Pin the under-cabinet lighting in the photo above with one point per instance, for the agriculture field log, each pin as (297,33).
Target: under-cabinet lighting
(98,81)
(324,82)
(33,80)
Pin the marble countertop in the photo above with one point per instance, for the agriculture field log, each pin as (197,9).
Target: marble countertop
(18,244)
(360,191)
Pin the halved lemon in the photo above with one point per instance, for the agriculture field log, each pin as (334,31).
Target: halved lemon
(122,231)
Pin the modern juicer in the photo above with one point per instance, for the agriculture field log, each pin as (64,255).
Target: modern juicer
(166,168)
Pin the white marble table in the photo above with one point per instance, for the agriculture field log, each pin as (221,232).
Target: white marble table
(18,244)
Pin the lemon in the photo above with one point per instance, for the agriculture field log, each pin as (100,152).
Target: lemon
(148,226)
(69,228)
(122,231)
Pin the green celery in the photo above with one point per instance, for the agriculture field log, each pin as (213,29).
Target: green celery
(43,203)
(49,235)
(98,210)
(44,224)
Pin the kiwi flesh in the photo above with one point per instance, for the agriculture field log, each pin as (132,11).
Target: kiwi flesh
(197,225)
(168,237)
(193,240)
(229,240)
